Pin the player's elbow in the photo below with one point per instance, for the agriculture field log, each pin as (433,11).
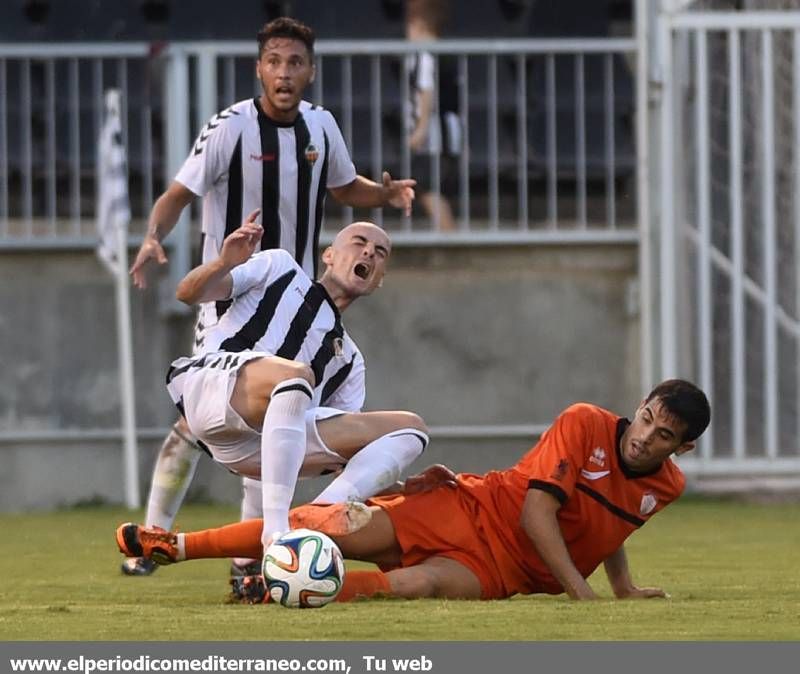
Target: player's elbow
(185,293)
(339,194)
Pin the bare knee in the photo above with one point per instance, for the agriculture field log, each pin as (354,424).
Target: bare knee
(414,582)
(181,426)
(346,434)
(283,370)
(264,374)
(257,380)
(402,419)
(436,577)
(179,436)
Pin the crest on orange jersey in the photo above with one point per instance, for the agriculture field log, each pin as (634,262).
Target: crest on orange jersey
(649,503)
(598,457)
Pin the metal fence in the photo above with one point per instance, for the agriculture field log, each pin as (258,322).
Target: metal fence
(51,102)
(549,128)
(729,245)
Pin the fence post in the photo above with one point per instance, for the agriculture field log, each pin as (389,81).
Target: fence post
(206,78)
(668,314)
(645,12)
(177,135)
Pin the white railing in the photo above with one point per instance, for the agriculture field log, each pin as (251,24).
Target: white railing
(475,59)
(729,286)
(517,174)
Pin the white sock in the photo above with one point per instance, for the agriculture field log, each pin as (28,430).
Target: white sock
(180,543)
(283,448)
(377,466)
(175,467)
(251,509)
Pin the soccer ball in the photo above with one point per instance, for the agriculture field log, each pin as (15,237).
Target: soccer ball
(303,569)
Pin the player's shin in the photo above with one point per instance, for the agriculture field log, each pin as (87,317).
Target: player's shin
(242,539)
(251,509)
(283,447)
(172,475)
(377,466)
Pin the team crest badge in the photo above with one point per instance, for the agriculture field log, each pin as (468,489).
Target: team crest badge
(338,347)
(598,457)
(312,153)
(648,504)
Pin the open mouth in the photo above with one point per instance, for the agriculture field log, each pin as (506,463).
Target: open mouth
(361,270)
(287,91)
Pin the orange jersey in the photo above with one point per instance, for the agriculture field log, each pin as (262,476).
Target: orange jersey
(577,461)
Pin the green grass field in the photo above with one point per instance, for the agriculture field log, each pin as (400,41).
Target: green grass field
(731,568)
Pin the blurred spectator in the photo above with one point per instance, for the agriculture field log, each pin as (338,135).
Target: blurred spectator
(433,126)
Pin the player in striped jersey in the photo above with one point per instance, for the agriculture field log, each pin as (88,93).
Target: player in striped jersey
(279,391)
(275,152)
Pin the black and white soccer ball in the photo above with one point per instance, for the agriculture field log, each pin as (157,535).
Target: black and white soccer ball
(303,569)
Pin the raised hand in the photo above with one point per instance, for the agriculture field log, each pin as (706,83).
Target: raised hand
(241,244)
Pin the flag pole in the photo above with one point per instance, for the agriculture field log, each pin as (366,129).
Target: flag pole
(127,391)
(113,218)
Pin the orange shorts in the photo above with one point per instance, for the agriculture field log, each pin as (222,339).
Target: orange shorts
(443,523)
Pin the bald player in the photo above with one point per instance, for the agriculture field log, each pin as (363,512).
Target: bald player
(278,393)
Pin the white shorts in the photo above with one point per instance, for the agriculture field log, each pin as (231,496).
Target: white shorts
(206,394)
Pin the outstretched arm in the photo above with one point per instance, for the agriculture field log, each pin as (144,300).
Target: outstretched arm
(619,577)
(212,281)
(163,217)
(365,193)
(540,524)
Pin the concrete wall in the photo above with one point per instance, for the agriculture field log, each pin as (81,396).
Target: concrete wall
(498,335)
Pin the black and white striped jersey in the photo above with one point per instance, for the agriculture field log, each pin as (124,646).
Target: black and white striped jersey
(278,310)
(242,160)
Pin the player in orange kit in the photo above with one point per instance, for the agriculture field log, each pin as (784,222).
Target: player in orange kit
(543,525)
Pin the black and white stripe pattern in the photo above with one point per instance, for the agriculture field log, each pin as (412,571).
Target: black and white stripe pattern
(278,310)
(242,160)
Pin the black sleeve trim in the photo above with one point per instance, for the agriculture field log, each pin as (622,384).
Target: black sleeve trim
(616,510)
(550,488)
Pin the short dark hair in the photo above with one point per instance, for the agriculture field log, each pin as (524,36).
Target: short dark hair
(286,26)
(684,401)
(433,13)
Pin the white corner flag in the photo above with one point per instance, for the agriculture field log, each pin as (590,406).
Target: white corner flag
(113,206)
(113,218)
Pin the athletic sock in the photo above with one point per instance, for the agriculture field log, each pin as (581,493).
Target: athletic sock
(283,448)
(251,509)
(364,584)
(377,466)
(172,474)
(241,539)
